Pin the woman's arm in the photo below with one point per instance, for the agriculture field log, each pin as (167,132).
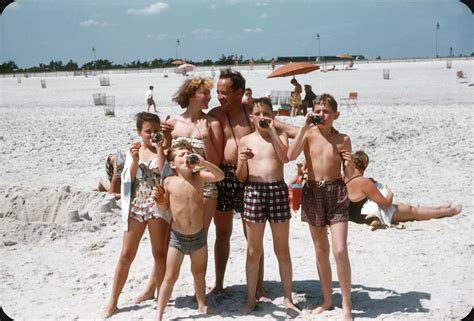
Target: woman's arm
(372,193)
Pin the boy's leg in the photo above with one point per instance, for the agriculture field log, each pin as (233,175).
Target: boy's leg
(339,248)
(130,243)
(254,233)
(223,222)
(198,269)
(159,233)
(321,246)
(280,233)
(174,260)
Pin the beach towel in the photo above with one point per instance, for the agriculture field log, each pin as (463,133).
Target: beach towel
(371,208)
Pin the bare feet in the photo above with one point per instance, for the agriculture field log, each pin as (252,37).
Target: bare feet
(248,308)
(207,310)
(109,310)
(145,295)
(291,309)
(261,296)
(323,307)
(455,210)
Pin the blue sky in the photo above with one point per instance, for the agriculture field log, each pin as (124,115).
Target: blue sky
(38,31)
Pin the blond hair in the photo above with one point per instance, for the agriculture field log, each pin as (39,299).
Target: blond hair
(189,88)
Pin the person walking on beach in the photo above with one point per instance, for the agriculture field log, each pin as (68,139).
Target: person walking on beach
(262,155)
(325,200)
(295,97)
(183,196)
(141,172)
(273,64)
(149,99)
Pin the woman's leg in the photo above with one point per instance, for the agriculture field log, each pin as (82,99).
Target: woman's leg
(406,212)
(130,243)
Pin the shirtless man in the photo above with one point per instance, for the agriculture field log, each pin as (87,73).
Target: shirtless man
(325,200)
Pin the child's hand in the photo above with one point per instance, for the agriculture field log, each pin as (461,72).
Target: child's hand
(135,150)
(159,194)
(246,154)
(308,120)
(346,157)
(166,128)
(203,127)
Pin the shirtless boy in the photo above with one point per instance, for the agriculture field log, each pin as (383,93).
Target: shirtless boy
(325,200)
(262,155)
(184,197)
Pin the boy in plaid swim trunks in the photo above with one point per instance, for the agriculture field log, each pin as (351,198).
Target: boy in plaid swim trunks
(325,200)
(262,155)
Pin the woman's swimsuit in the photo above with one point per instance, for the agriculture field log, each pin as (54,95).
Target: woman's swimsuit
(356,207)
(210,189)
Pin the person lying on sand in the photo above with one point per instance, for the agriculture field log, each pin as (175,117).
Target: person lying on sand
(113,169)
(372,203)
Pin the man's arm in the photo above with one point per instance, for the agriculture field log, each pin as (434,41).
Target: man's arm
(290,130)
(298,143)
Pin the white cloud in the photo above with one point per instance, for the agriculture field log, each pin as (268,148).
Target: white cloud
(204,33)
(264,15)
(93,23)
(252,30)
(150,10)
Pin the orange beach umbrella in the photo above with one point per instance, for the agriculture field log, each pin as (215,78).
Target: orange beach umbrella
(293,68)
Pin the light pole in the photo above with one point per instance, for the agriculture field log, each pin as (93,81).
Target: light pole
(437,28)
(177,44)
(319,47)
(95,58)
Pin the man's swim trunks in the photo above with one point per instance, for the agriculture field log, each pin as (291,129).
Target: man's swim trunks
(231,191)
(266,201)
(325,203)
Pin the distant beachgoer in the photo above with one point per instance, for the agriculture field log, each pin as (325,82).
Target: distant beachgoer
(113,168)
(372,203)
(273,64)
(295,97)
(183,197)
(251,64)
(149,99)
(309,100)
(141,173)
(248,99)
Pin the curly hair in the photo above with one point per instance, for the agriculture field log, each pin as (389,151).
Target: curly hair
(189,88)
(360,160)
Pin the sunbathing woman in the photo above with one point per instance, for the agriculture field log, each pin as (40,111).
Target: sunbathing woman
(205,135)
(371,202)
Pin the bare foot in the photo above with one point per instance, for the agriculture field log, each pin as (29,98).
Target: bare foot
(291,309)
(109,310)
(207,310)
(248,308)
(144,296)
(323,307)
(455,210)
(262,297)
(347,316)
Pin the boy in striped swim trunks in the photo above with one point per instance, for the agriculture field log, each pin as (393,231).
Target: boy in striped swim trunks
(325,200)
(262,155)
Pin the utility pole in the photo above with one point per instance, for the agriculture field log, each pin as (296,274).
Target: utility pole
(95,59)
(437,28)
(319,47)
(177,44)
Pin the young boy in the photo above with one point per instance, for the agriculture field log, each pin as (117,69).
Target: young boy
(184,197)
(262,155)
(325,201)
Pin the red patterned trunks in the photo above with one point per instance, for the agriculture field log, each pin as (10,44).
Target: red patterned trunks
(266,201)
(325,203)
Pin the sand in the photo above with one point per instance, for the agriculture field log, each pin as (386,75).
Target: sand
(60,241)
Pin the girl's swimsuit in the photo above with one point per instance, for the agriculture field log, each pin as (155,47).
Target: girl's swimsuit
(143,207)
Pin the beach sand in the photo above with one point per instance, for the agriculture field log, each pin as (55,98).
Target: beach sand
(60,241)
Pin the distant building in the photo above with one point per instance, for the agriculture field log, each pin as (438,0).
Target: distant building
(316,58)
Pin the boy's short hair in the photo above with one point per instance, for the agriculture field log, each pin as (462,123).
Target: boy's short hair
(327,99)
(182,144)
(262,101)
(189,88)
(151,87)
(238,81)
(146,117)
(360,160)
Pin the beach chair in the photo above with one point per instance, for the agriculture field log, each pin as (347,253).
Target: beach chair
(351,101)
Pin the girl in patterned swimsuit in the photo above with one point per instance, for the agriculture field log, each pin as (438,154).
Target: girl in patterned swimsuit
(205,135)
(142,171)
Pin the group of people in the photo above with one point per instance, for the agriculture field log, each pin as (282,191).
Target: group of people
(208,166)
(300,106)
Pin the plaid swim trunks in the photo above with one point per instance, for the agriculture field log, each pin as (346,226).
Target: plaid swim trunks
(230,191)
(325,203)
(266,201)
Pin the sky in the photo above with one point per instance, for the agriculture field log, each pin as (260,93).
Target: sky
(38,31)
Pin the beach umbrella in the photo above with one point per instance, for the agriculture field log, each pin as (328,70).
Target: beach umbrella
(178,62)
(293,68)
(344,56)
(184,68)
(4,4)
